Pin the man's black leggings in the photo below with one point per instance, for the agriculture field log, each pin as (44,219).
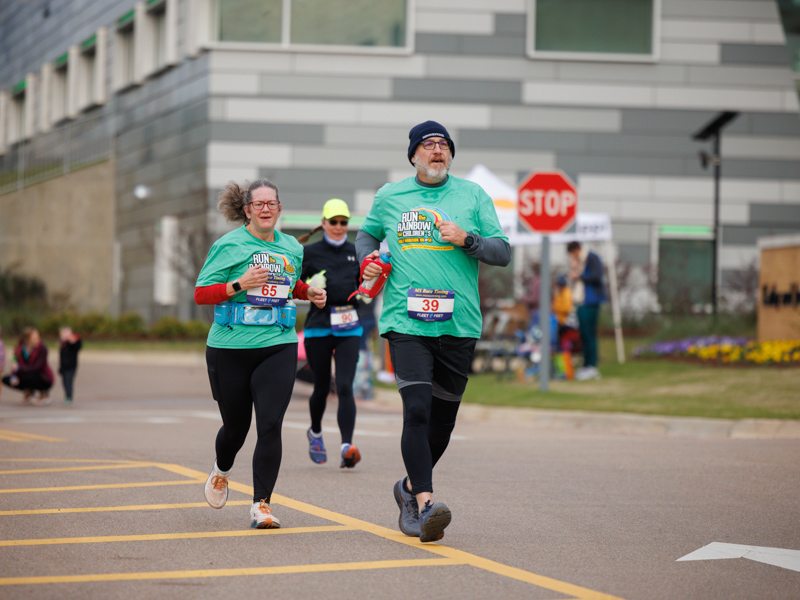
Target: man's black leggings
(319,351)
(431,374)
(244,378)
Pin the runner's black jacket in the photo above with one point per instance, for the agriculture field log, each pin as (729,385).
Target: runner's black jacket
(342,271)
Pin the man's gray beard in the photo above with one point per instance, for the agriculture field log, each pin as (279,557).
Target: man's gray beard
(433,174)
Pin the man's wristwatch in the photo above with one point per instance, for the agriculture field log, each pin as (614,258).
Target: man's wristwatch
(237,287)
(469,241)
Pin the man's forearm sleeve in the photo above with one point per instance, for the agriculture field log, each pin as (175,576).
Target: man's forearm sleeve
(365,244)
(492,251)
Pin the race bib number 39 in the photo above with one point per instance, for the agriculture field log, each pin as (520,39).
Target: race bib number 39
(430,305)
(274,292)
(343,318)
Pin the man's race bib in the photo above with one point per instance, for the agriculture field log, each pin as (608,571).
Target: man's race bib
(274,292)
(343,318)
(430,305)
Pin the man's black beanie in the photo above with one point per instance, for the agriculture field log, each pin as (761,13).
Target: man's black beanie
(421,132)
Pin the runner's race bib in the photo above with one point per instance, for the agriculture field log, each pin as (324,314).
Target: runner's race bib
(430,305)
(274,292)
(343,318)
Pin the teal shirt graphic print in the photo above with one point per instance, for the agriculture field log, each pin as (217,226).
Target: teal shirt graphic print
(228,259)
(425,267)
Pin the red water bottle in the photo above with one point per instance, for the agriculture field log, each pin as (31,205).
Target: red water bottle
(372,287)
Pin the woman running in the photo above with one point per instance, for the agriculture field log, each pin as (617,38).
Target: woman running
(251,274)
(333,331)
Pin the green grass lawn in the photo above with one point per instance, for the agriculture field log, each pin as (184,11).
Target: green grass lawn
(655,387)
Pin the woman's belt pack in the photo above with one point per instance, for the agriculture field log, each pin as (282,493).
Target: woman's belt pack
(235,313)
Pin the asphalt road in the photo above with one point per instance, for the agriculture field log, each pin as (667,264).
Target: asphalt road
(104,500)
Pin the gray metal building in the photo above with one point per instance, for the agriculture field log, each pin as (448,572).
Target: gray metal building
(121,121)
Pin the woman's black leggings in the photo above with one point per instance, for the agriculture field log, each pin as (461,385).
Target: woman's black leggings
(29,381)
(319,351)
(244,378)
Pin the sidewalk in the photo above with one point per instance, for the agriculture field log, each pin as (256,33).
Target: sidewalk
(553,419)
(620,422)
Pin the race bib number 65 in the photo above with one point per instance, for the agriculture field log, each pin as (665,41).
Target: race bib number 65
(430,305)
(274,292)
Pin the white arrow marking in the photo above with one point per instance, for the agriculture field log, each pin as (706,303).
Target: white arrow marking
(778,557)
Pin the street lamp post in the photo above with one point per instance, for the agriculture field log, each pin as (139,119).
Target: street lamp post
(713,129)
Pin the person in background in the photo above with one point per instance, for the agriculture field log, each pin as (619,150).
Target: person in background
(251,274)
(333,331)
(586,271)
(2,357)
(30,372)
(68,364)
(438,229)
(562,300)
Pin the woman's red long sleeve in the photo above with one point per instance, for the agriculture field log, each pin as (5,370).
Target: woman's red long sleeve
(211,294)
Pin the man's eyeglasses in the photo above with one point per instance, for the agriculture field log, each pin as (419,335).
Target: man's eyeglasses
(430,144)
(258,205)
(336,222)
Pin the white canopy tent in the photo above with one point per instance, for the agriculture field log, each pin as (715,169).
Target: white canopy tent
(588,227)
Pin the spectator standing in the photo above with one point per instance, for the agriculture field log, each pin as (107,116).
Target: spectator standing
(68,364)
(31,373)
(586,271)
(438,229)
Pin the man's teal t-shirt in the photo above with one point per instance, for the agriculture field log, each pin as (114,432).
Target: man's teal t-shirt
(229,258)
(406,215)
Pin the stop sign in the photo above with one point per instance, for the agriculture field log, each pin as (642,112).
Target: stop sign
(548,202)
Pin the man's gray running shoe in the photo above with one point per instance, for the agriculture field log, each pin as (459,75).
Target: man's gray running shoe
(432,521)
(409,510)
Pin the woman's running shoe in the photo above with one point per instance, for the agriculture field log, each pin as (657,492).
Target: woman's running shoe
(316,449)
(432,521)
(350,456)
(216,490)
(261,517)
(409,509)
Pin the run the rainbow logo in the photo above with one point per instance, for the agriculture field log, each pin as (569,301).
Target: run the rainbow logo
(419,226)
(274,263)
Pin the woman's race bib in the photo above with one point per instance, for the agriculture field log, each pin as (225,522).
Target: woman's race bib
(274,292)
(430,305)
(344,318)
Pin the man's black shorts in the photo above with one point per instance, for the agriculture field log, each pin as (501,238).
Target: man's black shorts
(442,361)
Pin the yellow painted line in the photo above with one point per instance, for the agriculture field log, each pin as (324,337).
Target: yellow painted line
(92,509)
(172,536)
(88,468)
(458,556)
(288,569)
(12,438)
(108,486)
(31,436)
(72,460)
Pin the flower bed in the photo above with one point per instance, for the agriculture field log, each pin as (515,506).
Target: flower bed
(725,350)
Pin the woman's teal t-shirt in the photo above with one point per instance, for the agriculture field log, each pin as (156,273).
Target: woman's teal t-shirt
(229,258)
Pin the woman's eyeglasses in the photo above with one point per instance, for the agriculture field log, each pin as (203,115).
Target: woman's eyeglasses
(336,222)
(259,205)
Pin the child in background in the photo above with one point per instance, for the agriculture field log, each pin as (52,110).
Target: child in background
(2,356)
(68,366)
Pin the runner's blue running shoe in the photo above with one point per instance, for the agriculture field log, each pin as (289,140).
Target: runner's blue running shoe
(316,449)
(350,456)
(432,521)
(409,509)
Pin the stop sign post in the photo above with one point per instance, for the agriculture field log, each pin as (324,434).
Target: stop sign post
(547,203)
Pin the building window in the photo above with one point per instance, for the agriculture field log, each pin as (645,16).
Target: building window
(87,73)
(342,23)
(17,114)
(159,36)
(124,53)
(60,90)
(592,30)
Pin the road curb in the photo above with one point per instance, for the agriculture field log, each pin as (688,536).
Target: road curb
(621,422)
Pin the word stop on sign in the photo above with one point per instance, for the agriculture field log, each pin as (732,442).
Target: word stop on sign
(549,203)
